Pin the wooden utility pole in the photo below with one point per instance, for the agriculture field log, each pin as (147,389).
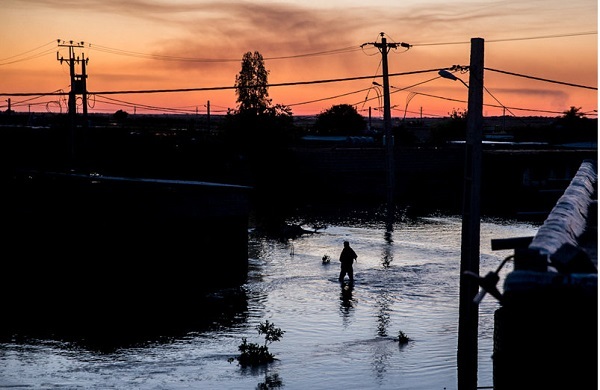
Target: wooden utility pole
(384,47)
(470,242)
(208,114)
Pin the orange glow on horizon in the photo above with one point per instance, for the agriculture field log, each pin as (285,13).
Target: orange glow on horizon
(168,52)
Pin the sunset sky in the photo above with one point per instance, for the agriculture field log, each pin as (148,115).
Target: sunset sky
(141,45)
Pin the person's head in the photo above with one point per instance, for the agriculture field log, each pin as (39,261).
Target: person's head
(346,243)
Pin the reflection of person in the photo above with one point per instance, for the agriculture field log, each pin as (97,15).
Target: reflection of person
(347,257)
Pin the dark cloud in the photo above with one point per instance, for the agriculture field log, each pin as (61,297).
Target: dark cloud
(227,29)
(276,29)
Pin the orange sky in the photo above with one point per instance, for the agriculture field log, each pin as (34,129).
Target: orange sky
(190,44)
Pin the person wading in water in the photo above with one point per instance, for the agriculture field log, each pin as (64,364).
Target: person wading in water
(347,257)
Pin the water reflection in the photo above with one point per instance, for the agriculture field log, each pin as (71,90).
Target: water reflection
(383,315)
(272,381)
(407,283)
(388,254)
(382,352)
(346,302)
(389,217)
(383,300)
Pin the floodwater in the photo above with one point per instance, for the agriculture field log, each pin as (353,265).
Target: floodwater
(406,280)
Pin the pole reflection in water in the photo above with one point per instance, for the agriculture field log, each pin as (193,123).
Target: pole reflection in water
(388,253)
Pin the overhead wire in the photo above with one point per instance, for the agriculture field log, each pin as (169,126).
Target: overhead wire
(327,52)
(63,93)
(328,98)
(30,57)
(510,39)
(12,60)
(108,100)
(213,60)
(541,79)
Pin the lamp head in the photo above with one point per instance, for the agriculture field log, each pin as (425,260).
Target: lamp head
(447,75)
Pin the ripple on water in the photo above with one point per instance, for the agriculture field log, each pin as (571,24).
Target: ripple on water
(406,280)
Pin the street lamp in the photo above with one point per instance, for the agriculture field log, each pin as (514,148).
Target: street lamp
(447,75)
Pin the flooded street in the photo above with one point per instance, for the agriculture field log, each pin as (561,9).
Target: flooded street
(406,280)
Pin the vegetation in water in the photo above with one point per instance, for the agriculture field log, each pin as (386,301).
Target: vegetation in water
(254,354)
(402,338)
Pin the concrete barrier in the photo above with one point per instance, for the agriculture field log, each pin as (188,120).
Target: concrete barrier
(545,333)
(567,221)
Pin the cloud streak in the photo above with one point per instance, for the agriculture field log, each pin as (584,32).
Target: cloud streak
(223,27)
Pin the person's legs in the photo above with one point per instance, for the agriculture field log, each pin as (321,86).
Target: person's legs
(351,274)
(345,270)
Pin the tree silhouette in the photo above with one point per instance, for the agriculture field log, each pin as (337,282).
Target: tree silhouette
(120,116)
(573,126)
(341,119)
(258,134)
(573,113)
(252,85)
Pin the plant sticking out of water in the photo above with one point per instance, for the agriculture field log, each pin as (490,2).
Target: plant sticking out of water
(254,354)
(402,338)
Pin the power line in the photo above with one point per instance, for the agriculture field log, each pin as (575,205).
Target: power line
(63,93)
(2,61)
(490,105)
(113,101)
(31,57)
(541,79)
(511,39)
(214,60)
(295,83)
(329,98)
(144,106)
(348,49)
(126,92)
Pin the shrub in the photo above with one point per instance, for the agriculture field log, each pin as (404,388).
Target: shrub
(253,354)
(402,338)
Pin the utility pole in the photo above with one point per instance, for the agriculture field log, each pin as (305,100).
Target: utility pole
(384,47)
(78,87)
(208,114)
(470,241)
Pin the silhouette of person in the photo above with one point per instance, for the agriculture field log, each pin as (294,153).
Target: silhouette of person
(347,257)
